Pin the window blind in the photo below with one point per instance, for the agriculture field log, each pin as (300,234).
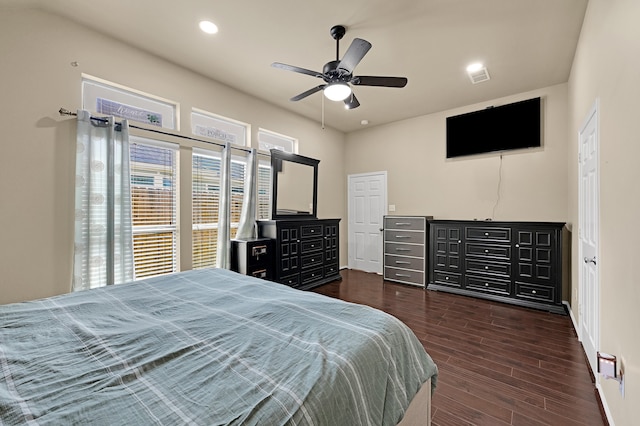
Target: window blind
(154,207)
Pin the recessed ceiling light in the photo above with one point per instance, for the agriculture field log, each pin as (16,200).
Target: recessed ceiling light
(208,27)
(475,67)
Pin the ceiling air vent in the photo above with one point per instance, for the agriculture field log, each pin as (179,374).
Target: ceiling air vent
(478,76)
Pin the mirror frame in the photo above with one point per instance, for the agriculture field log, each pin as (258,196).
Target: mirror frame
(277,157)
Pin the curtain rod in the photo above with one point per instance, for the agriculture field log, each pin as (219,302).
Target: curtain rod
(64,111)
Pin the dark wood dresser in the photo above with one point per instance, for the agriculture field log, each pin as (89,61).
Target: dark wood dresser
(514,262)
(306,251)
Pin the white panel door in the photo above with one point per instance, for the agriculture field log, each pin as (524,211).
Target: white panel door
(589,305)
(367,206)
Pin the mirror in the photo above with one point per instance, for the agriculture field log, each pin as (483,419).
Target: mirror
(295,186)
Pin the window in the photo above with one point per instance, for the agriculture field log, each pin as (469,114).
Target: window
(268,140)
(264,190)
(220,128)
(154,207)
(206,166)
(111,99)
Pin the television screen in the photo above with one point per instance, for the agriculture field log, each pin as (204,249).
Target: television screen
(494,129)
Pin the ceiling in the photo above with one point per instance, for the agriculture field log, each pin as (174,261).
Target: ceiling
(525,44)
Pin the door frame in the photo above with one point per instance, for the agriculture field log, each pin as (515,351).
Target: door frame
(593,114)
(350,242)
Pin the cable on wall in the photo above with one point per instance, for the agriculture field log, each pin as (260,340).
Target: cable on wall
(493,213)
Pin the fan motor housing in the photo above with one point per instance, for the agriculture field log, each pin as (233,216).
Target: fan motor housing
(332,73)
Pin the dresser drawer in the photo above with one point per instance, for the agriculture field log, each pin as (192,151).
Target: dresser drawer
(290,280)
(496,268)
(481,233)
(404,262)
(400,236)
(311,276)
(307,231)
(412,223)
(330,270)
(535,292)
(311,260)
(405,276)
(404,249)
(488,251)
(309,246)
(488,285)
(446,278)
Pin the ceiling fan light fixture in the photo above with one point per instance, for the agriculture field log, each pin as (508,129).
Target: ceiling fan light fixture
(337,91)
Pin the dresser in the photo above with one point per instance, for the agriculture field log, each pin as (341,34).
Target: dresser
(405,249)
(521,263)
(306,251)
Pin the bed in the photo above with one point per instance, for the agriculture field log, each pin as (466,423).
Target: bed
(209,347)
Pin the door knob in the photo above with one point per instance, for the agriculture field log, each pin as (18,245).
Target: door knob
(592,260)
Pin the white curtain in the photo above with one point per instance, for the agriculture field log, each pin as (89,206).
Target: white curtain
(247,225)
(223,256)
(103,241)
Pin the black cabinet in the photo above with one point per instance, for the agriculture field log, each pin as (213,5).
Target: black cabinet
(253,257)
(306,251)
(514,262)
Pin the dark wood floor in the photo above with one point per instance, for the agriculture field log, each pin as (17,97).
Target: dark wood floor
(498,364)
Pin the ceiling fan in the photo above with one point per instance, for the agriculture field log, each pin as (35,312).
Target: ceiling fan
(338,74)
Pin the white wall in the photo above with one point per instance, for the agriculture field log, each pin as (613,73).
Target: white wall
(532,183)
(606,67)
(38,146)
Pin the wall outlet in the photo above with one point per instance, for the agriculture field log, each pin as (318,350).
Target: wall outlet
(392,207)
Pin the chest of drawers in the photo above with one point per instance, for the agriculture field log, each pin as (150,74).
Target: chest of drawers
(515,262)
(405,249)
(305,250)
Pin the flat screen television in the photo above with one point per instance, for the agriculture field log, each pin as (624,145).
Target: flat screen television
(495,129)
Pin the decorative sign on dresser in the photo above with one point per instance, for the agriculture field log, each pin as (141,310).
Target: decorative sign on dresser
(405,249)
(522,263)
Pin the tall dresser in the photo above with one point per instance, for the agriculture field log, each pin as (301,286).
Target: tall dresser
(521,263)
(306,251)
(405,249)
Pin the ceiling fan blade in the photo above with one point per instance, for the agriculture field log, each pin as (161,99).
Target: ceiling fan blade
(296,69)
(308,92)
(364,80)
(351,102)
(354,54)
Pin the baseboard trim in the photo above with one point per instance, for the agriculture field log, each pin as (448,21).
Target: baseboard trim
(602,402)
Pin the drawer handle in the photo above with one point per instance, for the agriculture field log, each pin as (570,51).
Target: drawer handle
(402,236)
(403,223)
(486,284)
(403,275)
(533,291)
(486,267)
(486,251)
(486,234)
(446,278)
(402,249)
(401,262)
